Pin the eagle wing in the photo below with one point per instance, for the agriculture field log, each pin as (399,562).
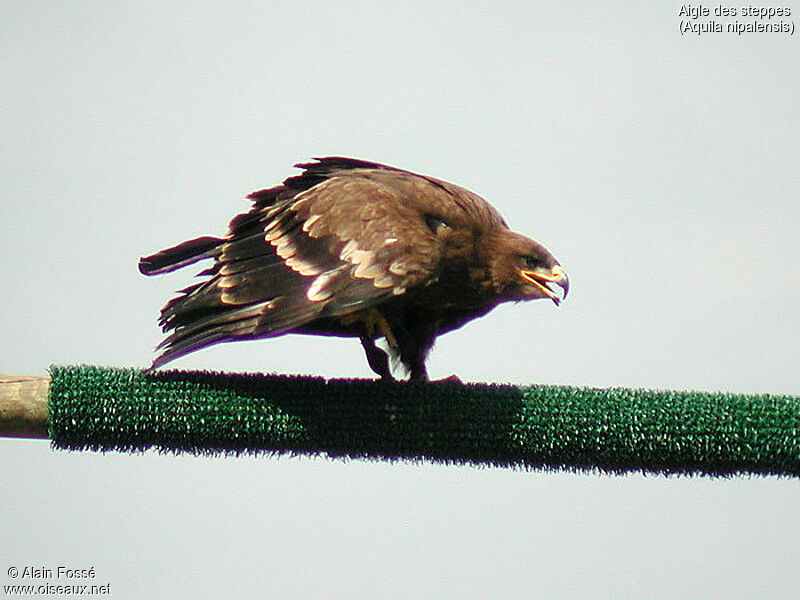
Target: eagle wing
(351,239)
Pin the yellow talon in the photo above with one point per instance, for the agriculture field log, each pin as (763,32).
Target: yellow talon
(376,318)
(373,320)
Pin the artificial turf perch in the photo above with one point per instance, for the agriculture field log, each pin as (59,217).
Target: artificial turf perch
(550,427)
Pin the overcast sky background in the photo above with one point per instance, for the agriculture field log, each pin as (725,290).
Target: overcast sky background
(661,169)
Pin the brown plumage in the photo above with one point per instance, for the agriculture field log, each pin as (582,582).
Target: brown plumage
(356,249)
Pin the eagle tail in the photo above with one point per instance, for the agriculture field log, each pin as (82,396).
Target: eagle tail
(195,330)
(179,256)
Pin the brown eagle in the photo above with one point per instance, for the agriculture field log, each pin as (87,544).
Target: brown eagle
(356,249)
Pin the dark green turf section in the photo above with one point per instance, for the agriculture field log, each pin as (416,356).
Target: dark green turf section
(550,427)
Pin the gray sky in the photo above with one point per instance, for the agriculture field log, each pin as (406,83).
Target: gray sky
(661,169)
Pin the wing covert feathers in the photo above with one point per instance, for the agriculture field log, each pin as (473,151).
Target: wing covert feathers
(343,235)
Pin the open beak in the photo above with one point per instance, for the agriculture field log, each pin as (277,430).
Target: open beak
(545,281)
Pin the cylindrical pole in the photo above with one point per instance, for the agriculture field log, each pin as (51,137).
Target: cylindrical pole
(23,406)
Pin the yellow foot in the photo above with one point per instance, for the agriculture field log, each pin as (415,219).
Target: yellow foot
(374,321)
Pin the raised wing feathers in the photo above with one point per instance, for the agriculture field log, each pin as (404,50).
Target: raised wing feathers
(342,245)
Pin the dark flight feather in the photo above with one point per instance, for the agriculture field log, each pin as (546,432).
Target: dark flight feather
(352,248)
(179,256)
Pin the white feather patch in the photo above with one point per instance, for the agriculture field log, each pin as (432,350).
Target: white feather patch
(368,270)
(399,267)
(275,229)
(225,283)
(302,267)
(384,281)
(309,223)
(347,251)
(285,247)
(318,290)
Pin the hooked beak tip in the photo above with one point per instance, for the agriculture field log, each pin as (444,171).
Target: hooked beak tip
(542,281)
(559,277)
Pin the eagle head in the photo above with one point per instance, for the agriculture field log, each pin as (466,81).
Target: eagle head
(523,269)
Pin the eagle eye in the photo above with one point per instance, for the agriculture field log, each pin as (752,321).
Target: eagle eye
(531,262)
(435,224)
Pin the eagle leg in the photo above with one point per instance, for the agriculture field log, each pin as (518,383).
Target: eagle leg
(377,358)
(418,371)
(413,350)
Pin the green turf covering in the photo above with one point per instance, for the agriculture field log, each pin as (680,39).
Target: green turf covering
(550,427)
